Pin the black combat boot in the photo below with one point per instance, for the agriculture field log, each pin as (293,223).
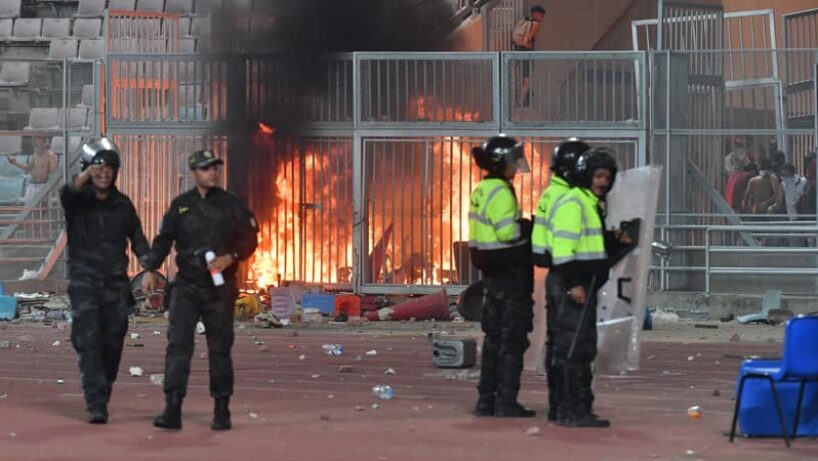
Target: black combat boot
(97,413)
(485,405)
(172,417)
(508,387)
(221,414)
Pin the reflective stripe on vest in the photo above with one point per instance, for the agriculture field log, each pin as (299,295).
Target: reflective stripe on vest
(541,233)
(572,243)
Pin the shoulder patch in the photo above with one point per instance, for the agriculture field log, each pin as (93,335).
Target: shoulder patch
(183,210)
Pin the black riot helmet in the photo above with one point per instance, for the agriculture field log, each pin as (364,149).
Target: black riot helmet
(565,156)
(587,164)
(499,152)
(101,151)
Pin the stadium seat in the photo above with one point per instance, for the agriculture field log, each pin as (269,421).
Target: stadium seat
(6,26)
(151,6)
(27,29)
(56,28)
(11,145)
(90,9)
(200,27)
(207,6)
(65,48)
(184,7)
(91,49)
(87,97)
(87,28)
(73,144)
(77,118)
(43,118)
(187,45)
(10,8)
(14,74)
(184,27)
(128,5)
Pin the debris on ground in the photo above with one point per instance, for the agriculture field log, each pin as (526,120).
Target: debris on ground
(302,357)
(268,320)
(5,345)
(359,408)
(135,336)
(376,406)
(533,431)
(390,372)
(56,343)
(60,381)
(200,328)
(694,412)
(706,326)
(324,417)
(735,338)
(716,393)
(373,352)
(345,369)
(158,379)
(136,371)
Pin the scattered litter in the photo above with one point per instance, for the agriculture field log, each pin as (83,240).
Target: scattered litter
(292,334)
(330,396)
(268,320)
(29,275)
(316,375)
(302,357)
(691,358)
(664,316)
(735,338)
(142,396)
(137,345)
(264,349)
(324,417)
(694,412)
(359,408)
(358,357)
(383,392)
(12,434)
(200,328)
(533,431)
(136,371)
(157,333)
(158,379)
(390,372)
(291,346)
(332,349)
(259,343)
(2,396)
(716,393)
(56,343)
(376,406)
(60,381)
(345,369)
(5,345)
(252,415)
(706,326)
(135,336)
(372,352)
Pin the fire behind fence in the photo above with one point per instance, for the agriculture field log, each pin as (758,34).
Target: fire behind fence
(415,199)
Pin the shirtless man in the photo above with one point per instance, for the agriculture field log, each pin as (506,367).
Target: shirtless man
(764,192)
(40,166)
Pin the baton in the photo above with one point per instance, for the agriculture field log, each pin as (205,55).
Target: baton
(581,319)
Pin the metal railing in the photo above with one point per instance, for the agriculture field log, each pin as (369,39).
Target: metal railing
(761,232)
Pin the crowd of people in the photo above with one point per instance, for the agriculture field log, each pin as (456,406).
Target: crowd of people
(766,186)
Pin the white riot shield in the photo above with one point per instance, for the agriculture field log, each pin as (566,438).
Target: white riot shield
(621,301)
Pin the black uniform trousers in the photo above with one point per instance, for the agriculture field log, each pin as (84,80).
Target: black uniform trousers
(214,305)
(99,321)
(573,376)
(507,320)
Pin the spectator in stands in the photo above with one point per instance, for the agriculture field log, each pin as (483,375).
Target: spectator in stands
(738,158)
(793,186)
(777,160)
(40,167)
(806,205)
(737,187)
(523,37)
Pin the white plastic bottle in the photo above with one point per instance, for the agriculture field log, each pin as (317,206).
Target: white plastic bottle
(216,275)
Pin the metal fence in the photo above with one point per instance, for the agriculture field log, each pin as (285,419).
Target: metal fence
(501,16)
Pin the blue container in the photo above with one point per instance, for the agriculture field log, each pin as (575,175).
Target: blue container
(8,307)
(757,415)
(324,303)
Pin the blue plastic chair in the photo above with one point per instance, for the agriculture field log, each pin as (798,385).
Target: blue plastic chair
(800,364)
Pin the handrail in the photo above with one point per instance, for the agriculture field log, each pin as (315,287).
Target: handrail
(771,231)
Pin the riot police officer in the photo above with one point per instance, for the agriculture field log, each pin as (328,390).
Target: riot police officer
(563,161)
(499,243)
(100,221)
(580,267)
(199,221)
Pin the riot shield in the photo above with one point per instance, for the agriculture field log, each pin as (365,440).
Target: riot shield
(621,301)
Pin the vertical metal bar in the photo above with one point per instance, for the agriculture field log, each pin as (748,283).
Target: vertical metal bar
(64,118)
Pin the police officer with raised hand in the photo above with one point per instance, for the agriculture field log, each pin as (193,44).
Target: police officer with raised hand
(100,221)
(580,267)
(213,231)
(499,243)
(563,161)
